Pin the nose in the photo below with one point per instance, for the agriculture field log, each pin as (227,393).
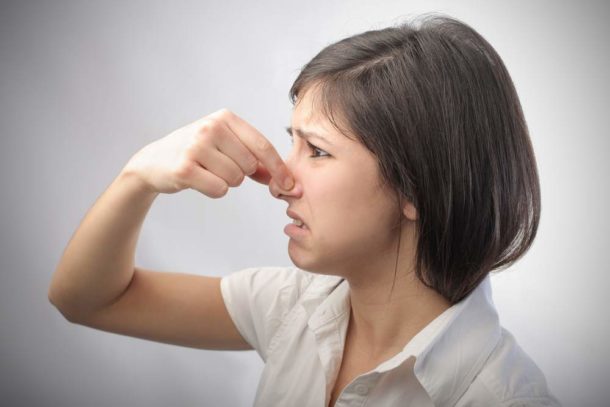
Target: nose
(280,192)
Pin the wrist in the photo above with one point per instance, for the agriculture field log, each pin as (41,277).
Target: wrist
(137,182)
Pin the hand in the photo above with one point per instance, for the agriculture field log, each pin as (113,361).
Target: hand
(209,155)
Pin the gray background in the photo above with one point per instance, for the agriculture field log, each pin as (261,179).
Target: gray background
(84,85)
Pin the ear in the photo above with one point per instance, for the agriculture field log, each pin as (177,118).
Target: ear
(408,209)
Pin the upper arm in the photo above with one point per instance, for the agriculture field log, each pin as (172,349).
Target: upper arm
(175,308)
(259,300)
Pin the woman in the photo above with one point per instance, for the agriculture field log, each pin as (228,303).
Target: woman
(411,178)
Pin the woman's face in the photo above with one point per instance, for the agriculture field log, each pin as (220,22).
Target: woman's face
(348,215)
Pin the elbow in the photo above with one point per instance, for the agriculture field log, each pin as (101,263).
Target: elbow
(56,301)
(54,297)
(68,316)
(51,295)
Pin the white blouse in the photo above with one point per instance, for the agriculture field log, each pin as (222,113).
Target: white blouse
(297,322)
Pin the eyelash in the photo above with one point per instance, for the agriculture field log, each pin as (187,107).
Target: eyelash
(314,150)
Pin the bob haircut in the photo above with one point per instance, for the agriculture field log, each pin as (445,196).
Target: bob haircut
(433,101)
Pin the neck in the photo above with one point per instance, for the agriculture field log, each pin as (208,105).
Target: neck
(384,319)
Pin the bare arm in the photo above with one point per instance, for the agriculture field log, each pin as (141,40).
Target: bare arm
(98,262)
(96,283)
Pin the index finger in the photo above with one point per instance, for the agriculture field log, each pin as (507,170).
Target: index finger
(262,148)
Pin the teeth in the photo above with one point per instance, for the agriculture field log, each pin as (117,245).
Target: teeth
(297,222)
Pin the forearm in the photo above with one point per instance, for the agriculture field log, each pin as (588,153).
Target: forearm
(98,262)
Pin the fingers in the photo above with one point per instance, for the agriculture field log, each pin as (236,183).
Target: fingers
(223,167)
(231,146)
(207,183)
(259,146)
(227,148)
(275,189)
(261,175)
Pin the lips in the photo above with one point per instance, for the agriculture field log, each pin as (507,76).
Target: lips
(297,220)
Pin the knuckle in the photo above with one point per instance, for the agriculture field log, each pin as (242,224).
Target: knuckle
(207,135)
(209,127)
(205,127)
(237,180)
(252,166)
(202,135)
(225,113)
(184,170)
(221,114)
(218,191)
(263,145)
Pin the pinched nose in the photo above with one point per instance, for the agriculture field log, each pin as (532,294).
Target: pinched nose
(281,193)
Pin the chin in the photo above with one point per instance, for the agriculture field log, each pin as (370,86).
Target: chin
(305,260)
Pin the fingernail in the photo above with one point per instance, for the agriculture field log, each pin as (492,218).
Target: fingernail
(288,182)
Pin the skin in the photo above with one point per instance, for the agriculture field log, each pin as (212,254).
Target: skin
(352,220)
(336,191)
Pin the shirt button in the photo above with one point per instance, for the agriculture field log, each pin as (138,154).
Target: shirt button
(362,389)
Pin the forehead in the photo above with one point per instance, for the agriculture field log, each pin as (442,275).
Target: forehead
(309,115)
(308,110)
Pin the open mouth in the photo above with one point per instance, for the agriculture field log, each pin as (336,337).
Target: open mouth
(299,223)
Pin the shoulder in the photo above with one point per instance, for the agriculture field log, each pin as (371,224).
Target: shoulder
(509,378)
(290,281)
(259,300)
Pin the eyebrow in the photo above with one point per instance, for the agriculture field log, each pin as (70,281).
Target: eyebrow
(306,134)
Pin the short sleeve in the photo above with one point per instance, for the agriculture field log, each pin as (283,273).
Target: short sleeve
(258,300)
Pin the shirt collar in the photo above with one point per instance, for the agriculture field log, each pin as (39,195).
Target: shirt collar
(449,351)
(455,354)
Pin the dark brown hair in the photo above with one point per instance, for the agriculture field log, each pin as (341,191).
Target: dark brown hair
(433,101)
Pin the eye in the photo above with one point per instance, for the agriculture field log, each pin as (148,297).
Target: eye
(317,152)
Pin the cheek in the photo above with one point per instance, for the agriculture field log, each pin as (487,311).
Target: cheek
(356,234)
(351,208)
